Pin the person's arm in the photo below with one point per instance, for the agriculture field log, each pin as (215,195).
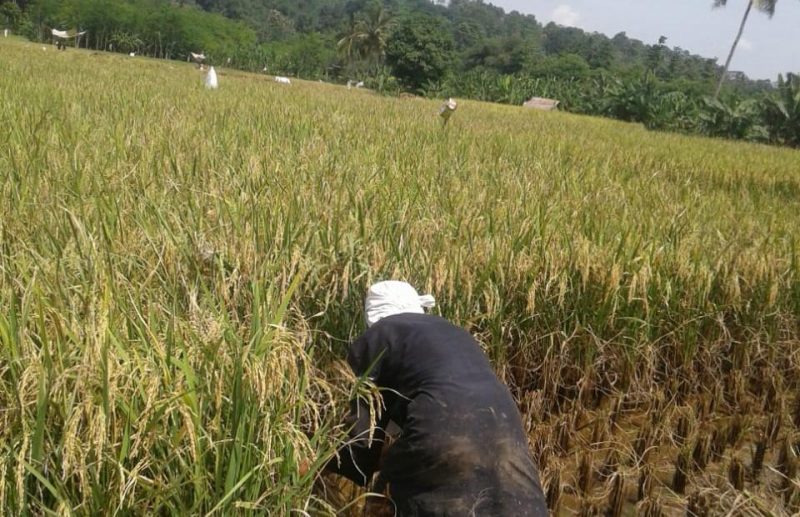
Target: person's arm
(359,457)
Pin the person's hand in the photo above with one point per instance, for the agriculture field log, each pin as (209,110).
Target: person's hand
(384,454)
(388,441)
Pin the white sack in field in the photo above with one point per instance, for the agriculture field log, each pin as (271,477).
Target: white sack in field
(211,79)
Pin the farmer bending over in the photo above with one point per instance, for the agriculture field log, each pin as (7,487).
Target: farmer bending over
(462,451)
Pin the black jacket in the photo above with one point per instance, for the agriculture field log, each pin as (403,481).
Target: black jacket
(463,450)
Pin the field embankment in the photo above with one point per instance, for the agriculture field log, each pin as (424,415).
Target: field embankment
(180,268)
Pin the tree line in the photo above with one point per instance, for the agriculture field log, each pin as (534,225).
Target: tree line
(466,48)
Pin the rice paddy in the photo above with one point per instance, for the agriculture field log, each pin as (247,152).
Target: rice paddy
(181,271)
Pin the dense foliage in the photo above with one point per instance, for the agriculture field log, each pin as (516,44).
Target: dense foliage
(466,48)
(420,51)
(148,27)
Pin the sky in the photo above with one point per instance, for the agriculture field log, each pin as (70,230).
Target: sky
(767,48)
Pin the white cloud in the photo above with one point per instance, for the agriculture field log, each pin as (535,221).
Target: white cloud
(565,15)
(745,44)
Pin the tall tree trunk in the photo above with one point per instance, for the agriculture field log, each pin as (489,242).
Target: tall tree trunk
(733,48)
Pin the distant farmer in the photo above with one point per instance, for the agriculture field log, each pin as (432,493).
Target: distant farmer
(197,58)
(462,450)
(447,110)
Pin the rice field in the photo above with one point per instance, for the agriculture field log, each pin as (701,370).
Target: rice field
(181,271)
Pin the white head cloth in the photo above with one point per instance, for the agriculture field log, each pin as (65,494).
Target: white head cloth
(393,297)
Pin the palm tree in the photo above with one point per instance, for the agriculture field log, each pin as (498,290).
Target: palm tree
(368,37)
(766,6)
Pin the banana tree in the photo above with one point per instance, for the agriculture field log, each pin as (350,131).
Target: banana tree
(782,112)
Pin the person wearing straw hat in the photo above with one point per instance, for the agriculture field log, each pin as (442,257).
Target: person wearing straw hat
(462,449)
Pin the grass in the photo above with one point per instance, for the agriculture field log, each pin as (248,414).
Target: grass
(180,270)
